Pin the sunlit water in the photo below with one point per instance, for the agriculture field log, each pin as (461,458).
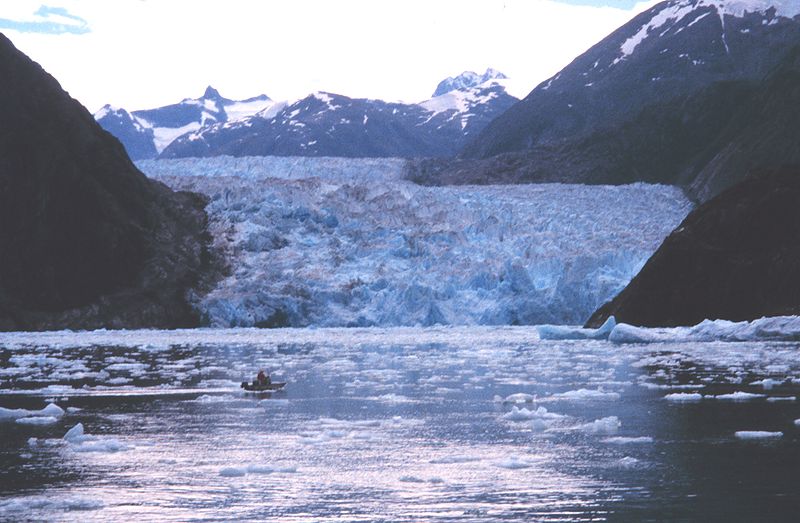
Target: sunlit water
(396,425)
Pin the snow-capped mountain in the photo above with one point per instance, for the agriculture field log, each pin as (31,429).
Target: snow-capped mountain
(327,124)
(467,80)
(145,133)
(646,103)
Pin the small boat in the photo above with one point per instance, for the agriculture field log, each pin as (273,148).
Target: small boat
(266,387)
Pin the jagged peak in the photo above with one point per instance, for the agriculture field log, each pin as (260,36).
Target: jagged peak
(109,109)
(211,93)
(467,80)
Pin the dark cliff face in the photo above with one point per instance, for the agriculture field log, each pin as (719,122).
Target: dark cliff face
(672,50)
(736,257)
(86,240)
(699,102)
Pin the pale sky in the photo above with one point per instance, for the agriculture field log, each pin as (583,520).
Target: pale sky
(139,54)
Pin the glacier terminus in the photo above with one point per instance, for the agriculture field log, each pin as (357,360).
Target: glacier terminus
(336,242)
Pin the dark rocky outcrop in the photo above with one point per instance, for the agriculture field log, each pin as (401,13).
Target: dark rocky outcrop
(86,240)
(736,257)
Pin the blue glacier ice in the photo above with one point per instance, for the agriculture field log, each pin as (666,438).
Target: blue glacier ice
(348,242)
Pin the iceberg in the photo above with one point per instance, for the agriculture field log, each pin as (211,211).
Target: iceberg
(607,425)
(559,332)
(684,397)
(757,434)
(50,411)
(774,328)
(338,242)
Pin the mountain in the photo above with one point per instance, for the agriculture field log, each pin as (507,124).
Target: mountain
(145,133)
(736,257)
(327,124)
(467,80)
(647,103)
(86,240)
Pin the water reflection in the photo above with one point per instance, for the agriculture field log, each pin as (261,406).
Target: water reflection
(396,426)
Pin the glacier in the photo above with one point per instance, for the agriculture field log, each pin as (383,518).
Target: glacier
(337,242)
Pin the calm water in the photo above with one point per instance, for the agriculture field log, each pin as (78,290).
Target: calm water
(396,425)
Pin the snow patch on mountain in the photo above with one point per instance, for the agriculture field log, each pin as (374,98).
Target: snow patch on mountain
(674,12)
(345,242)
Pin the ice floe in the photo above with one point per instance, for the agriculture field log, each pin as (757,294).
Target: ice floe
(585,395)
(738,396)
(514,462)
(775,328)
(37,420)
(684,397)
(607,425)
(21,507)
(757,434)
(523,414)
(519,397)
(233,472)
(79,441)
(50,411)
(627,440)
(560,332)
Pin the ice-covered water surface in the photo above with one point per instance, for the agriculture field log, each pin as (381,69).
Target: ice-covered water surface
(404,424)
(343,242)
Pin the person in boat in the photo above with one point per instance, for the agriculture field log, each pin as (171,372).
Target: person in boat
(262,378)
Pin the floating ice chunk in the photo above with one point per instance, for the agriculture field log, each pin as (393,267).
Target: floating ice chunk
(232,472)
(738,396)
(607,425)
(684,397)
(519,397)
(767,383)
(50,504)
(523,414)
(624,440)
(627,462)
(75,434)
(585,395)
(457,459)
(560,332)
(394,398)
(52,410)
(411,479)
(513,462)
(118,381)
(82,442)
(757,434)
(37,420)
(211,398)
(101,445)
(539,425)
(624,333)
(774,399)
(73,410)
(797,422)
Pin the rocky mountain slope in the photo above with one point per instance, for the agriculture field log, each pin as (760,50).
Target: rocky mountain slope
(657,100)
(86,240)
(737,257)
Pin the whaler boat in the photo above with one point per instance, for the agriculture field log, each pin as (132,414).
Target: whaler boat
(265,387)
